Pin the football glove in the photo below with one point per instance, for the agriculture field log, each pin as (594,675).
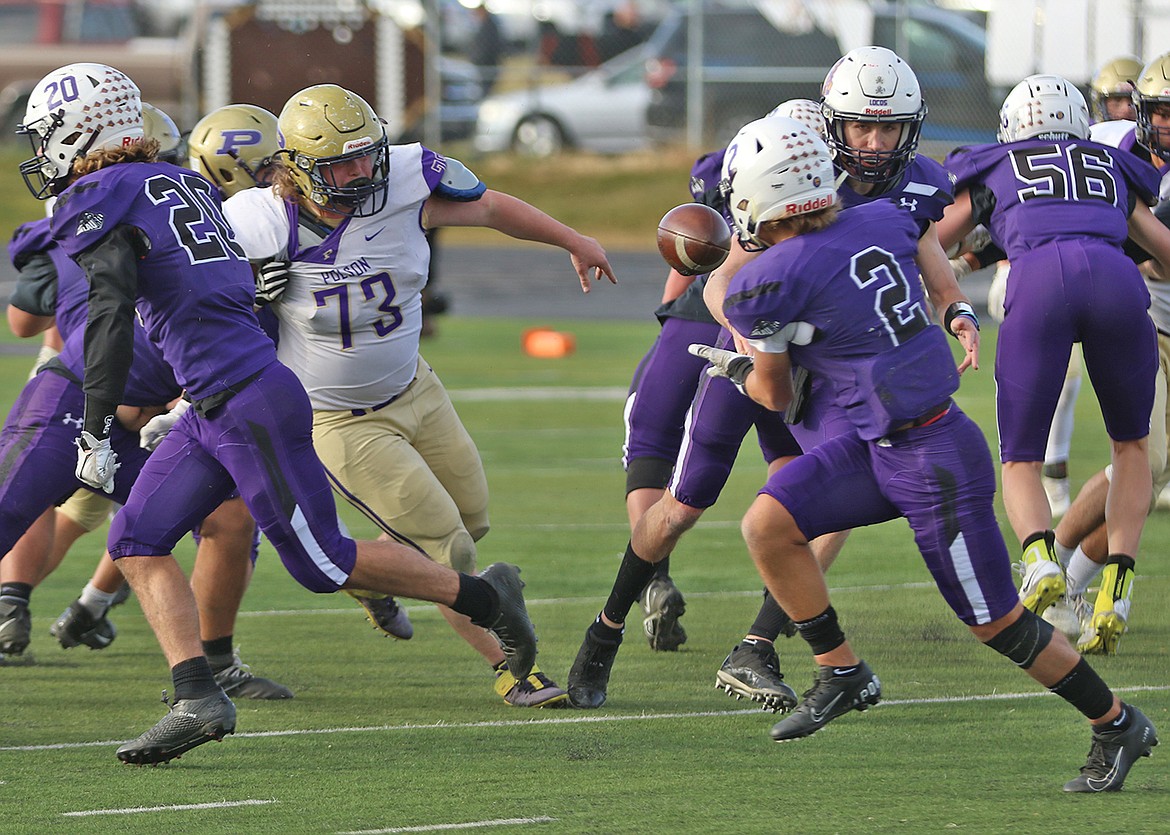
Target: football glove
(151,434)
(96,462)
(733,366)
(271,281)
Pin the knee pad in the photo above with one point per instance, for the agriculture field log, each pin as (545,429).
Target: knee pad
(1023,640)
(648,474)
(458,552)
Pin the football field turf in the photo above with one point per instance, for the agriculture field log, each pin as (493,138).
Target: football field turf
(393,736)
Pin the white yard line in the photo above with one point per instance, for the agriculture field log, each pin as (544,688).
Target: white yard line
(447,827)
(578,718)
(537,393)
(185,807)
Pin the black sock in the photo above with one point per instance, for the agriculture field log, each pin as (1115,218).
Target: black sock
(16,593)
(633,575)
(662,567)
(193,679)
(770,620)
(823,632)
(605,634)
(476,599)
(1086,691)
(1120,724)
(219,652)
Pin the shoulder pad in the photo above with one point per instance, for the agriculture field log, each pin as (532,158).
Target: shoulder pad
(459,183)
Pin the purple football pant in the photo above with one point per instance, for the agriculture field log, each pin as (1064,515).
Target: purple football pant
(716,425)
(662,389)
(939,477)
(38,456)
(1058,294)
(261,441)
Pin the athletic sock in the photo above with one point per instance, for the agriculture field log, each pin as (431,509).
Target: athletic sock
(95,601)
(193,679)
(1081,571)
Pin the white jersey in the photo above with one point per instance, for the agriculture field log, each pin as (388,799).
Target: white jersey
(1120,134)
(351,315)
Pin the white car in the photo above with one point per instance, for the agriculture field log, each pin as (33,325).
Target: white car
(604,111)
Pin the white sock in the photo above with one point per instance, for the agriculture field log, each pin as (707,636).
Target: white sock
(1063,553)
(96,601)
(1081,571)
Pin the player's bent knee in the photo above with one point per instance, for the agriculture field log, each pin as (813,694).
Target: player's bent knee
(648,474)
(1023,640)
(458,551)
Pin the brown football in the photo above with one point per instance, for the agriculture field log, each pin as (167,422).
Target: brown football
(693,238)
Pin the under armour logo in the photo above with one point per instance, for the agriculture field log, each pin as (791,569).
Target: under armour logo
(75,422)
(908,204)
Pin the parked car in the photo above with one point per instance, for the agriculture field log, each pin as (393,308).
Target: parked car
(751,65)
(38,36)
(603,110)
(461,90)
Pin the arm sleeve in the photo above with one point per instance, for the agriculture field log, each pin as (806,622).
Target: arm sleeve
(112,270)
(36,286)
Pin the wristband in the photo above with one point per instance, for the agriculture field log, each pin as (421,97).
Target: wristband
(960,309)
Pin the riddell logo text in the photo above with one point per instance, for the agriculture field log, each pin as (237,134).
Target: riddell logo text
(879,111)
(808,205)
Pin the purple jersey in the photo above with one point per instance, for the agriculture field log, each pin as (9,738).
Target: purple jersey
(889,364)
(207,334)
(36,238)
(1033,192)
(925,190)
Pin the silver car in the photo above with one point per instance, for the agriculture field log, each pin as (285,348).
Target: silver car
(604,111)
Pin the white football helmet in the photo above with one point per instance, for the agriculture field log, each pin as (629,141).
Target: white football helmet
(872,84)
(775,168)
(72,111)
(1153,92)
(1043,107)
(156,124)
(234,146)
(805,111)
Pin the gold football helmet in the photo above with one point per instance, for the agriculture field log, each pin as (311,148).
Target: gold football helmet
(1153,93)
(1115,80)
(233,146)
(157,125)
(336,149)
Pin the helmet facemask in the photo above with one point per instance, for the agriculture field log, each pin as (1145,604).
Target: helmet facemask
(775,168)
(1151,95)
(336,150)
(335,189)
(72,111)
(873,85)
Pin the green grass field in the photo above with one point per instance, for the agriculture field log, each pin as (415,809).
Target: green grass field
(388,736)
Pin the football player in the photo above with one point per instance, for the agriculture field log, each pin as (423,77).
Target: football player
(343,260)
(1081,537)
(192,291)
(840,295)
(1067,241)
(227,547)
(881,149)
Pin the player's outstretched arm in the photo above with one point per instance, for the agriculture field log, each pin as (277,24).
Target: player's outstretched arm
(517,219)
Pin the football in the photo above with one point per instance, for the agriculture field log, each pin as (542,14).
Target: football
(693,238)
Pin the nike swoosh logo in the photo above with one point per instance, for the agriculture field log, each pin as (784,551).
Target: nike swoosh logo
(1097,785)
(818,716)
(376,234)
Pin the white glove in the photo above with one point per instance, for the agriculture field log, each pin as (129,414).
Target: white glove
(271,280)
(155,429)
(733,366)
(96,462)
